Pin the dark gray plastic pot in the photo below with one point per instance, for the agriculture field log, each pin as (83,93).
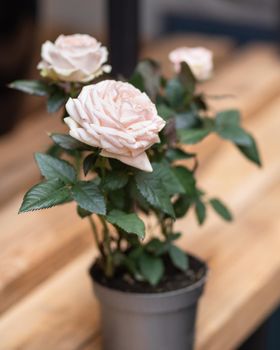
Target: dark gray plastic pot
(155,321)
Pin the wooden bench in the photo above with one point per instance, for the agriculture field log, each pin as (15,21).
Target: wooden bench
(45,293)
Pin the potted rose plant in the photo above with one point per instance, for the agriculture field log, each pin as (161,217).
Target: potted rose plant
(118,160)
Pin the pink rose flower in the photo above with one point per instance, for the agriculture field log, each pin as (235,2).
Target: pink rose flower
(199,59)
(118,118)
(74,58)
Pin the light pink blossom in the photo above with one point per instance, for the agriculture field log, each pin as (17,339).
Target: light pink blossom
(118,118)
(73,58)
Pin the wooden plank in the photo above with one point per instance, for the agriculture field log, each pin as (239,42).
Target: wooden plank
(48,313)
(248,272)
(17,150)
(251,279)
(36,245)
(253,77)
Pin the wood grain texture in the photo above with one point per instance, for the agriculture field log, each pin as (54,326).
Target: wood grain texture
(58,298)
(36,245)
(251,76)
(244,283)
(17,167)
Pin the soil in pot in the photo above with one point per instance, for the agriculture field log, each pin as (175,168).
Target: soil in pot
(174,278)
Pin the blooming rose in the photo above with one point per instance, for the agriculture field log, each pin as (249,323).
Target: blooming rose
(76,58)
(199,59)
(118,118)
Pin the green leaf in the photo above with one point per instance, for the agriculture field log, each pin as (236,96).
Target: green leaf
(175,93)
(82,212)
(89,162)
(181,206)
(148,70)
(130,223)
(200,211)
(221,209)
(174,236)
(170,181)
(200,102)
(32,87)
(186,120)
(192,136)
(177,154)
(54,151)
(186,178)
(117,199)
(137,196)
(45,195)
(53,168)
(178,257)
(89,197)
(164,111)
(187,78)
(136,252)
(69,143)
(251,151)
(114,180)
(234,133)
(229,117)
(156,246)
(152,268)
(180,89)
(56,99)
(138,81)
(153,190)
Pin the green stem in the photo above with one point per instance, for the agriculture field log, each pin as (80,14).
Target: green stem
(78,162)
(163,225)
(109,270)
(95,234)
(103,165)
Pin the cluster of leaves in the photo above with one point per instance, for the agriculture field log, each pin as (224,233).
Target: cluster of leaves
(117,193)
(178,103)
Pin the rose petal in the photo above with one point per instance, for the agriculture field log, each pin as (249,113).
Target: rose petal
(140,162)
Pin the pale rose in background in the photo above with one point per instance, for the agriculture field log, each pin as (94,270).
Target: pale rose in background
(73,58)
(199,59)
(118,118)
